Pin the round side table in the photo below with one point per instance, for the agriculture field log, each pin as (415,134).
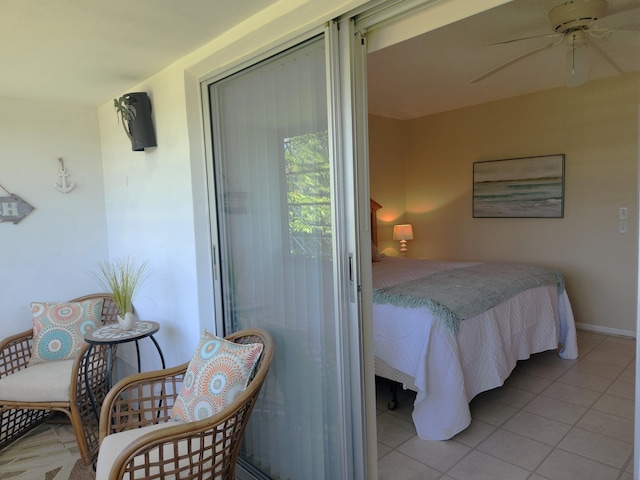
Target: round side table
(112,335)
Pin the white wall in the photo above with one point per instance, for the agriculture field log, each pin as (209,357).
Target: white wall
(46,257)
(150,216)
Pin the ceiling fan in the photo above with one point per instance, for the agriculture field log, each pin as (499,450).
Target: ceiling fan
(577,23)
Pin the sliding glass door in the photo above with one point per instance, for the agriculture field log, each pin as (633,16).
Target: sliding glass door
(283,262)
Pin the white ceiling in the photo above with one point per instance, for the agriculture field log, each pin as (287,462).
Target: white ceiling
(86,52)
(431,73)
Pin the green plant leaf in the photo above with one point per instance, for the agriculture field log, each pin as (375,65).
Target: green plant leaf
(123,278)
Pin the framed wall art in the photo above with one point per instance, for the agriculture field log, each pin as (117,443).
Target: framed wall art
(530,187)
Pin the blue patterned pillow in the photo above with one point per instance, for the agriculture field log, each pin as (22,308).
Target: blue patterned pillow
(59,328)
(218,372)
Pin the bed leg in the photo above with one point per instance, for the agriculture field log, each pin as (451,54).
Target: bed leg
(393,404)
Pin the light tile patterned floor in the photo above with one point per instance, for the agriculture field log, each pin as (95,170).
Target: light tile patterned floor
(553,419)
(49,452)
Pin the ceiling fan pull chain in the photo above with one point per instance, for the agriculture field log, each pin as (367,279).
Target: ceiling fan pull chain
(573,54)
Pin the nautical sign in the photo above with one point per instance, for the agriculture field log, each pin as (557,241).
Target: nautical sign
(13,208)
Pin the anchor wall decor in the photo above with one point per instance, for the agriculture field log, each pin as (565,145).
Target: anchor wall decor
(63,187)
(13,208)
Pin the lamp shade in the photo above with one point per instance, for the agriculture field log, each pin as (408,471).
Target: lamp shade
(403,232)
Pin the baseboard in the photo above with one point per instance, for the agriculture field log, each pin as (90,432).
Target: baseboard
(606,330)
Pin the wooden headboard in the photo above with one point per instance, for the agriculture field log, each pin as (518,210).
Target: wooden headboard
(373,208)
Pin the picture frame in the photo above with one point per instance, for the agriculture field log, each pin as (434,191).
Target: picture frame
(527,187)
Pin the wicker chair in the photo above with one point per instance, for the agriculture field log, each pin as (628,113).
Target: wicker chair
(21,413)
(142,443)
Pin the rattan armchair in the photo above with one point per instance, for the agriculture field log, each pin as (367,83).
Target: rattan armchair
(138,439)
(19,412)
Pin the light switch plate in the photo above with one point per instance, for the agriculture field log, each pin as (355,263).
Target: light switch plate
(622,226)
(623,213)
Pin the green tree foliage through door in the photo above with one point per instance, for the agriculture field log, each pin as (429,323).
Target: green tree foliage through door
(308,194)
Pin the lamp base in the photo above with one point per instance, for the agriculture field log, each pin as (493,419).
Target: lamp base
(403,248)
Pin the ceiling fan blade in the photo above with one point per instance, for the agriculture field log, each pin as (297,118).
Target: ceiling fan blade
(620,20)
(626,36)
(515,60)
(548,35)
(597,48)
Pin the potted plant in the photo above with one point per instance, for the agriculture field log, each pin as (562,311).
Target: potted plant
(123,277)
(125,112)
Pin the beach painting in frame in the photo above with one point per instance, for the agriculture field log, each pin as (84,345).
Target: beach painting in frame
(519,187)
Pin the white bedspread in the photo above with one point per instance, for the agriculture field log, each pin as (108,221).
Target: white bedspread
(449,369)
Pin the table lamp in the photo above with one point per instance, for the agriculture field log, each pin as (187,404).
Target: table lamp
(403,233)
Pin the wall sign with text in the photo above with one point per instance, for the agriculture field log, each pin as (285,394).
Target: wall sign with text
(13,208)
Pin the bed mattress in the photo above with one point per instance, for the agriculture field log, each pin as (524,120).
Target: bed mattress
(447,369)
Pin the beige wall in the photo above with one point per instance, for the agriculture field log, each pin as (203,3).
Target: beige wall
(388,153)
(595,126)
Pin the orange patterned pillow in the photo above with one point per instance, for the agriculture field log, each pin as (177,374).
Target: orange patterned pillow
(218,372)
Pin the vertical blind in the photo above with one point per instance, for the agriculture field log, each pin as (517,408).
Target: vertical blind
(273,180)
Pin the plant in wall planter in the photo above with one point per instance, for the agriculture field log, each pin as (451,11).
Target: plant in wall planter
(123,277)
(134,110)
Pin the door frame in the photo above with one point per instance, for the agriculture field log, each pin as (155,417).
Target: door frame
(356,454)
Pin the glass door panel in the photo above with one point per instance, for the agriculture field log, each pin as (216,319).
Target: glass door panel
(273,171)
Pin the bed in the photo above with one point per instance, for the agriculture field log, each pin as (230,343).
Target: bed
(450,353)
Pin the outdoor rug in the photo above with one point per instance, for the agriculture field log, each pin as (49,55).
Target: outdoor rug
(48,452)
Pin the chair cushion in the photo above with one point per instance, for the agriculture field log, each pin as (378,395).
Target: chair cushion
(59,328)
(115,443)
(43,382)
(218,372)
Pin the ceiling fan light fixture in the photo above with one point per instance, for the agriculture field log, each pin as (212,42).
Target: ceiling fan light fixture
(577,59)
(576,14)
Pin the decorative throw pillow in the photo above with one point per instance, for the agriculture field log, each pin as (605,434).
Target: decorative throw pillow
(59,328)
(218,372)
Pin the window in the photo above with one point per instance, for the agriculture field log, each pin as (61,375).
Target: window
(308,194)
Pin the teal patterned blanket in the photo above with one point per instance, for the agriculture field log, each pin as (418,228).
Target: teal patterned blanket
(460,293)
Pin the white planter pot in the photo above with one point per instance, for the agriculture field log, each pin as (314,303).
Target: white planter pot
(128,322)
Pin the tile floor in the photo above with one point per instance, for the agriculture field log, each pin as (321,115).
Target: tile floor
(553,419)
(49,452)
